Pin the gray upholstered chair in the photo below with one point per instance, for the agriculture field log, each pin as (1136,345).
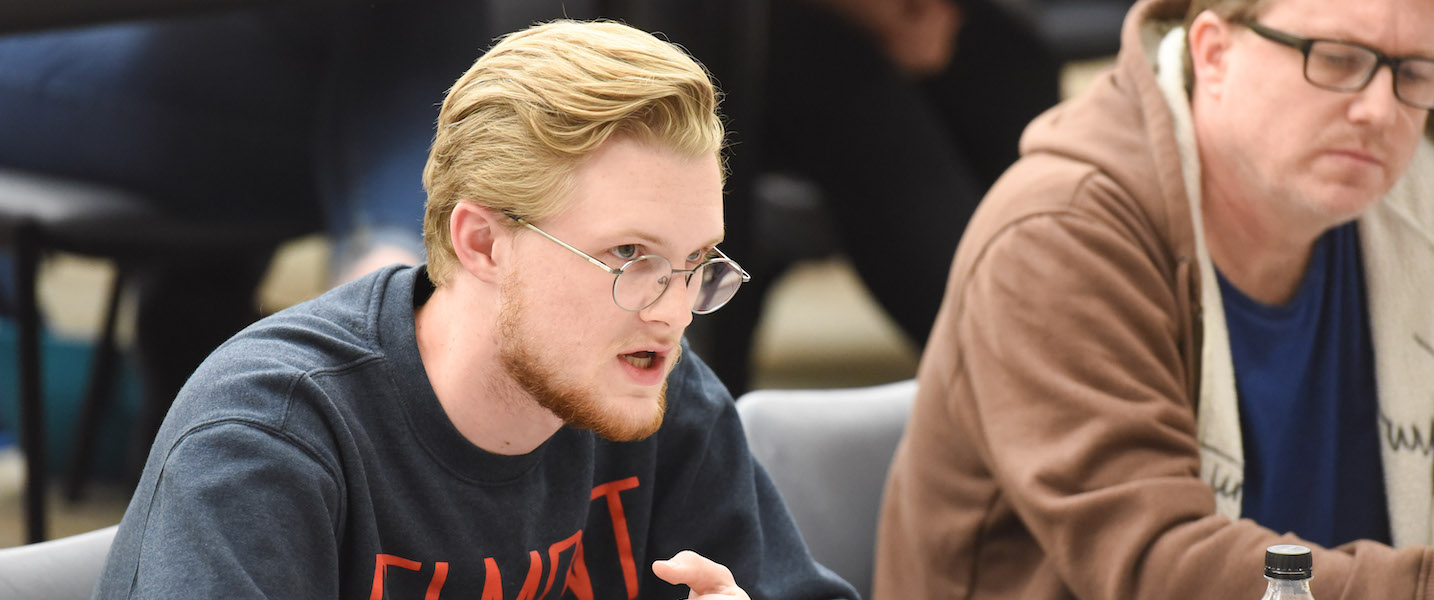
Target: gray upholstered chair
(60,569)
(828,452)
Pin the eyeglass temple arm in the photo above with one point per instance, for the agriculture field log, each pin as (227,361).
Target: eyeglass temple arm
(601,265)
(745,275)
(594,261)
(1293,41)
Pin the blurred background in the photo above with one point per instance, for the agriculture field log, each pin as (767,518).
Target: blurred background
(811,321)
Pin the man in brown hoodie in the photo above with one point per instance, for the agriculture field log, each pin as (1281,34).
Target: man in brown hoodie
(1191,322)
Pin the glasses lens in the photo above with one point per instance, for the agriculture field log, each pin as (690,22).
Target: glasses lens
(641,283)
(1339,66)
(1415,83)
(713,285)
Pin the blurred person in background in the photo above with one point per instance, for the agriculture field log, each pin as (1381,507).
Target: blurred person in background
(306,118)
(892,118)
(911,107)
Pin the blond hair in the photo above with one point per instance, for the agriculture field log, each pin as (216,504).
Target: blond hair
(515,127)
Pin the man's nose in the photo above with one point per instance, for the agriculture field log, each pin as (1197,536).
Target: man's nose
(1377,103)
(674,306)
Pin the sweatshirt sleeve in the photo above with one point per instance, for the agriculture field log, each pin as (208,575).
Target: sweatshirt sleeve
(1073,388)
(238,510)
(718,502)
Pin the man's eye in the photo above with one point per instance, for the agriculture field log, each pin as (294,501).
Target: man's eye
(1339,59)
(1420,74)
(625,251)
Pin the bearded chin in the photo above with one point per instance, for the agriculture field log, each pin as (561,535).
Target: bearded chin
(577,405)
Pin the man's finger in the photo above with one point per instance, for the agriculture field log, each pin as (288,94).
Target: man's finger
(695,571)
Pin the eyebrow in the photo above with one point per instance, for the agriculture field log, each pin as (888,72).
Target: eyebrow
(657,241)
(1376,49)
(1346,39)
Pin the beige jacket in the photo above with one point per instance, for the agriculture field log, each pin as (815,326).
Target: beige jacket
(1055,450)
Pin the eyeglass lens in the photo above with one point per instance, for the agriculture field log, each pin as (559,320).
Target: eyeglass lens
(716,282)
(1348,67)
(644,279)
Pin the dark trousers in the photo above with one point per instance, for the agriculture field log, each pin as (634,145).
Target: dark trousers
(245,116)
(901,163)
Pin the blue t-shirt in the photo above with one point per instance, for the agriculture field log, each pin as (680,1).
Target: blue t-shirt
(1309,415)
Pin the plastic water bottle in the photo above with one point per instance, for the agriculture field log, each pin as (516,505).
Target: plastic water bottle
(1288,568)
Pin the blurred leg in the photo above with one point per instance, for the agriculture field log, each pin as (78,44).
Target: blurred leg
(1002,77)
(210,118)
(899,189)
(186,310)
(393,66)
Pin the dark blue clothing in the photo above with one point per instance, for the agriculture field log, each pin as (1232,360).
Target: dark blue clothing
(1309,415)
(308,457)
(305,116)
(269,113)
(210,117)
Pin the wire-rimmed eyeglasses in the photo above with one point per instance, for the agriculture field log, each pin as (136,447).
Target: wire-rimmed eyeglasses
(642,280)
(1349,67)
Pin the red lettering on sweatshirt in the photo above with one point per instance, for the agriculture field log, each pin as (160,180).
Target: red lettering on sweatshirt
(609,491)
(435,585)
(381,562)
(493,582)
(553,552)
(576,579)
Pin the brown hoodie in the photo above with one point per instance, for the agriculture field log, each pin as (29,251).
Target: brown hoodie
(1054,449)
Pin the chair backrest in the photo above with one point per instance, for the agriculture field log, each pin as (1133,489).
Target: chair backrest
(61,569)
(828,452)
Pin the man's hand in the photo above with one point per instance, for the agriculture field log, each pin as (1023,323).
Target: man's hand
(707,580)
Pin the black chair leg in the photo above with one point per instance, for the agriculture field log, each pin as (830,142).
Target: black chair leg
(32,417)
(98,396)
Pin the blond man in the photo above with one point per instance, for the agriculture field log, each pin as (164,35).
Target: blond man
(511,420)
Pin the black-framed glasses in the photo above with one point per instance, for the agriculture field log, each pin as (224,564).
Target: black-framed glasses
(642,280)
(1349,67)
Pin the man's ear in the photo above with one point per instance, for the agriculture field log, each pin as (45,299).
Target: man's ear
(1209,37)
(480,239)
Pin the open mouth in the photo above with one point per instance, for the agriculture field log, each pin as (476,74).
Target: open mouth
(641,360)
